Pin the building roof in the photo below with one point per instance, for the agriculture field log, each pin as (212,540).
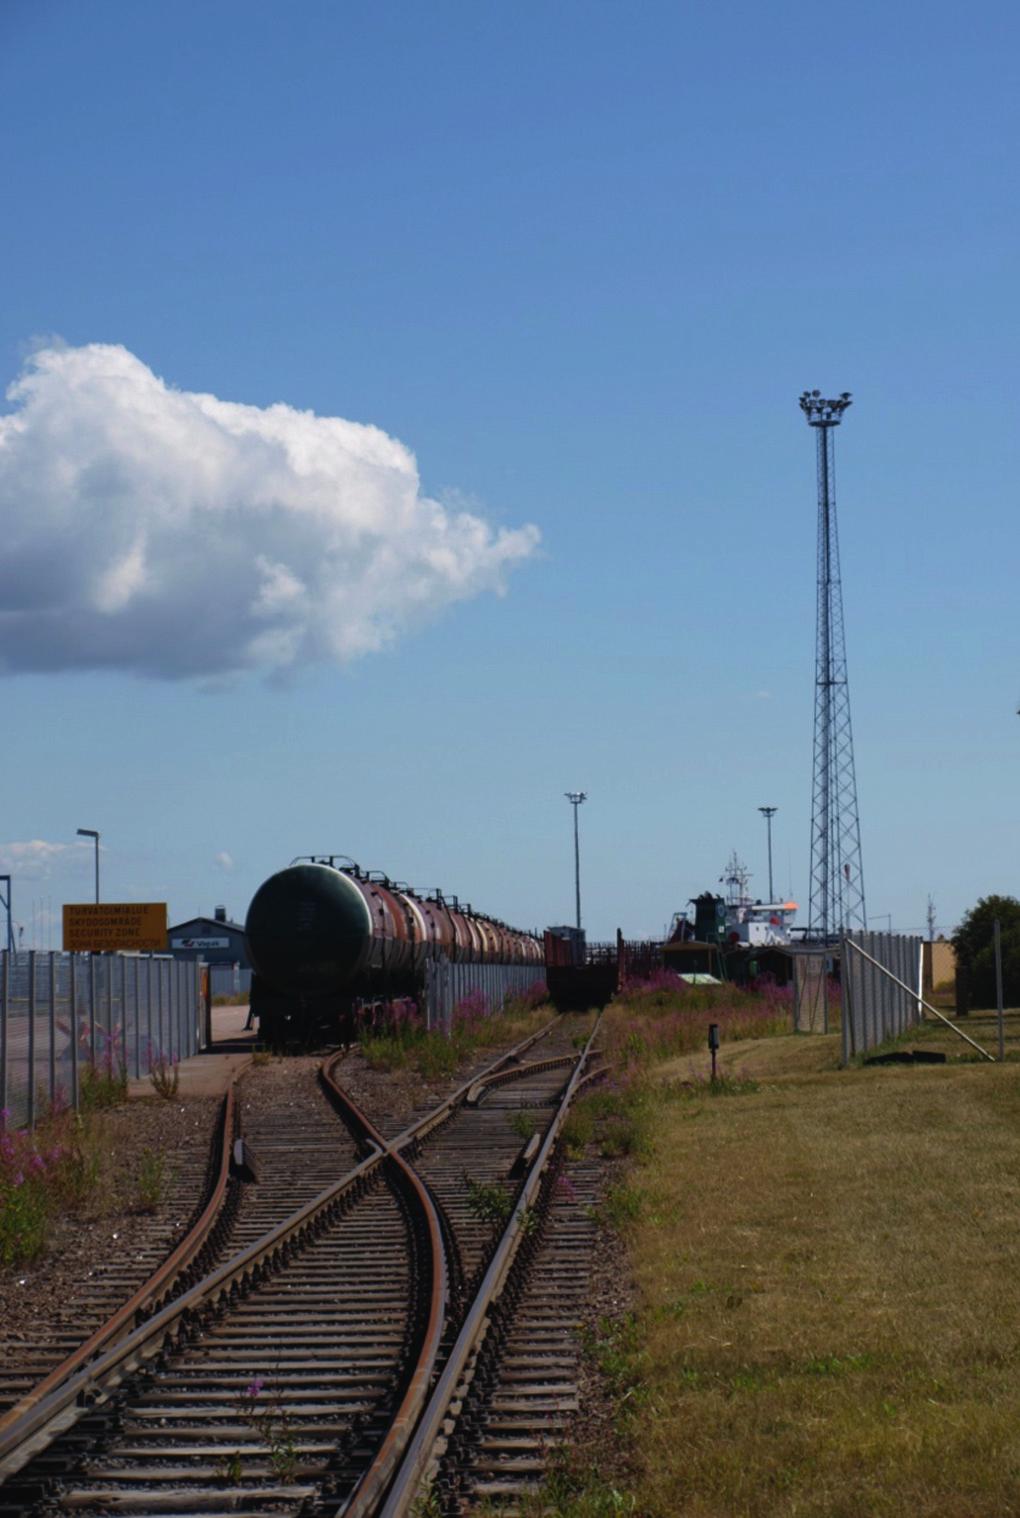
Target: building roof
(209,926)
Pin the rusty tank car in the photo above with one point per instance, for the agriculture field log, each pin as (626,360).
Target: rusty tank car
(326,939)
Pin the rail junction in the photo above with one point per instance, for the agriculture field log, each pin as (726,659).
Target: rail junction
(360,1322)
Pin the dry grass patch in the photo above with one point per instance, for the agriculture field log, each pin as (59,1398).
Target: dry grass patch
(828,1320)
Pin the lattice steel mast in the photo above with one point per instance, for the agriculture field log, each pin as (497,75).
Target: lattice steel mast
(837,881)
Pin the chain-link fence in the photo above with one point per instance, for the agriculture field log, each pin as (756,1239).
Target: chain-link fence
(64,1014)
(875,1007)
(448,984)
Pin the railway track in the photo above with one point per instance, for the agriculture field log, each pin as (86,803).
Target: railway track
(292,1377)
(516,1405)
(302,1144)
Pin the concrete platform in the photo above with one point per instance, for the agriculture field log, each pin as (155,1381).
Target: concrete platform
(210,1073)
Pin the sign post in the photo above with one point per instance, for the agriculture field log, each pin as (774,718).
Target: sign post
(713,1044)
(113,926)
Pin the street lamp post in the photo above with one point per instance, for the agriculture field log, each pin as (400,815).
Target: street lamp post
(768,812)
(91,833)
(575,798)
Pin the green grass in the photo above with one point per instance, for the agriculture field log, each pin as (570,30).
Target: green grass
(825,1320)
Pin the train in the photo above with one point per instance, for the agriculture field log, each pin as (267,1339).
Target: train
(327,940)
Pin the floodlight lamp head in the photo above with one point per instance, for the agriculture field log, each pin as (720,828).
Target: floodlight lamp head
(821,412)
(576,797)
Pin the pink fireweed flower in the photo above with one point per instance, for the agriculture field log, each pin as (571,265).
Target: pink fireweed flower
(253,1388)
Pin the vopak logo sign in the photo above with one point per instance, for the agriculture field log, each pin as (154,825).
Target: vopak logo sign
(200,943)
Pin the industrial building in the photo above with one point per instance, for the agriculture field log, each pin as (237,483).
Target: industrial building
(221,943)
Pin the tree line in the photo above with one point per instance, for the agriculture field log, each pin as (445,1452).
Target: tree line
(975,951)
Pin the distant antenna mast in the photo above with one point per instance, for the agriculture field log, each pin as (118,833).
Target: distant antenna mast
(735,880)
(837,880)
(931,919)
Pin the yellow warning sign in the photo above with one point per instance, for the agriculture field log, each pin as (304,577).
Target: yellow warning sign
(106,926)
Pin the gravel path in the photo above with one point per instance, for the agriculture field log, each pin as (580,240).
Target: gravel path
(96,1261)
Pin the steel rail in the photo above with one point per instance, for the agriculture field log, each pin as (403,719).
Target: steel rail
(441,1114)
(373,1483)
(145,1297)
(416,1391)
(53,1412)
(144,1343)
(404,1488)
(486,1083)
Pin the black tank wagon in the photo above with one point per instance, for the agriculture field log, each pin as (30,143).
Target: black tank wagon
(326,937)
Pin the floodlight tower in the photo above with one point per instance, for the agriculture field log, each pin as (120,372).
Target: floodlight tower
(837,882)
(576,798)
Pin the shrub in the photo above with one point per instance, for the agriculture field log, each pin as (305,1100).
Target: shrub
(151,1182)
(395,1036)
(165,1075)
(661,1017)
(488,1203)
(37,1174)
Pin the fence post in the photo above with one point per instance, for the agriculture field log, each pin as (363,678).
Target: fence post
(157,965)
(998,989)
(148,1008)
(881,987)
(846,995)
(5,980)
(111,1042)
(31,1038)
(52,988)
(75,1098)
(92,1010)
(137,1002)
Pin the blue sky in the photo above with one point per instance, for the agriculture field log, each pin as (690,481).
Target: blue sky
(580,260)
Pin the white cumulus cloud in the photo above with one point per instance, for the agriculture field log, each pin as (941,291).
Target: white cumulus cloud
(224,861)
(174,534)
(37,858)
